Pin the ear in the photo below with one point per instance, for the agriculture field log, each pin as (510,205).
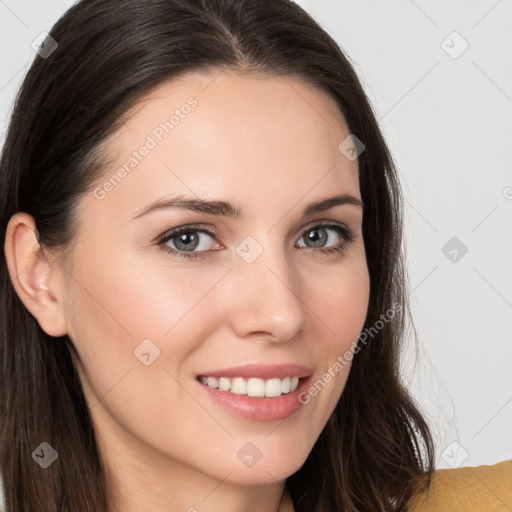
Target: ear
(30,270)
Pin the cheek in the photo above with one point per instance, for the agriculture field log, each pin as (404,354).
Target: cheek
(340,305)
(340,301)
(140,319)
(134,329)
(129,300)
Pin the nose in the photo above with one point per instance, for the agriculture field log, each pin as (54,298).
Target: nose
(266,297)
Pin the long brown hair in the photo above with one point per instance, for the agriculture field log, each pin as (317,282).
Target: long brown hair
(376,446)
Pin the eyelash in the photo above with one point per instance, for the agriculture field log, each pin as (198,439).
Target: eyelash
(346,234)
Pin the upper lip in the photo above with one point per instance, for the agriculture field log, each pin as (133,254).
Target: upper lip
(262,371)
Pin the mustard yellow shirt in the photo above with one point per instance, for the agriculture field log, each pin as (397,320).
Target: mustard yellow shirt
(467,489)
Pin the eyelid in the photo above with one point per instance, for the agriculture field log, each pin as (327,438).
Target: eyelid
(324,223)
(186,227)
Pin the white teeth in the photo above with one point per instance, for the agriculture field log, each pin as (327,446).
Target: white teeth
(286,385)
(253,387)
(256,387)
(238,386)
(224,384)
(212,382)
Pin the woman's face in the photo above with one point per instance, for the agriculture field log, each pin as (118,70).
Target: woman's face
(147,321)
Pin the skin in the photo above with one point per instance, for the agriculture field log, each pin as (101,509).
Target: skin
(270,146)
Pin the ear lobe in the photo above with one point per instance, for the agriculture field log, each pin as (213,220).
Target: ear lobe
(30,270)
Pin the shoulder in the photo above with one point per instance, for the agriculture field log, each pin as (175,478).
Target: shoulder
(479,489)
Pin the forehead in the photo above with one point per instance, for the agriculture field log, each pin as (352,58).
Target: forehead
(211,133)
(229,109)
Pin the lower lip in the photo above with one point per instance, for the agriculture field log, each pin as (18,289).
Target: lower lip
(261,408)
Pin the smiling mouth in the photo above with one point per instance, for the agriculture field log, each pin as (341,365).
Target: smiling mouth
(253,386)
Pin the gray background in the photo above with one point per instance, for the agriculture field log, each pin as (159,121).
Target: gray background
(446,115)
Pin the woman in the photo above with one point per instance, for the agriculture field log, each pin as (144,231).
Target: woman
(203,291)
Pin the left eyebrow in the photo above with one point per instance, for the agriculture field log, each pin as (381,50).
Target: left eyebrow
(331,202)
(227,209)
